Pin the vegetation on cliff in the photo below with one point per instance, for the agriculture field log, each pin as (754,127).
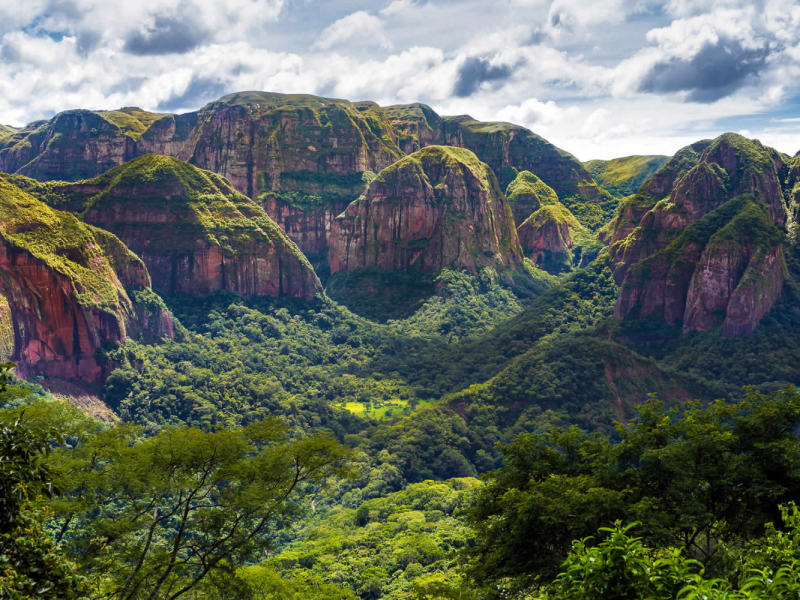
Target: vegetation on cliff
(623,176)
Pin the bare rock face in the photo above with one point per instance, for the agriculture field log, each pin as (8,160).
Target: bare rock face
(527,194)
(63,291)
(508,149)
(710,253)
(546,237)
(195,233)
(436,208)
(74,145)
(544,225)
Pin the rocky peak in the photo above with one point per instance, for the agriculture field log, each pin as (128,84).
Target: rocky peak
(527,194)
(710,253)
(193,230)
(63,291)
(435,208)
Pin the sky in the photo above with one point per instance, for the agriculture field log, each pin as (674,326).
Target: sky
(600,79)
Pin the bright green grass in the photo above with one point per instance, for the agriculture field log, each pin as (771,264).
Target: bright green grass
(381,412)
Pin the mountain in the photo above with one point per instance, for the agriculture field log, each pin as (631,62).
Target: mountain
(303,158)
(701,243)
(63,291)
(74,145)
(544,225)
(507,149)
(193,230)
(435,208)
(6,130)
(622,177)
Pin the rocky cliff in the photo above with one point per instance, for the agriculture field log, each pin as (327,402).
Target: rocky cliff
(303,158)
(508,149)
(435,208)
(195,233)
(706,250)
(74,145)
(544,225)
(63,291)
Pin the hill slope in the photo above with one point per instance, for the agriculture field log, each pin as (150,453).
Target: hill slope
(623,176)
(193,230)
(62,291)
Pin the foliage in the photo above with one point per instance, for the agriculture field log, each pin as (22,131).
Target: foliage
(697,480)
(159,515)
(623,567)
(387,546)
(31,566)
(623,176)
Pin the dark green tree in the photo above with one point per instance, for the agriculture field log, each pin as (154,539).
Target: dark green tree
(696,480)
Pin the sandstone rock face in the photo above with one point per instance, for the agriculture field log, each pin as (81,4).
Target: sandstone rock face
(62,287)
(710,253)
(74,145)
(546,237)
(544,225)
(301,157)
(506,148)
(438,207)
(195,233)
(527,194)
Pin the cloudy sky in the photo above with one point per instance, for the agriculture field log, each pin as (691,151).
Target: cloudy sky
(599,78)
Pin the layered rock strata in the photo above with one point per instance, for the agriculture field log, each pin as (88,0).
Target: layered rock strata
(63,291)
(439,207)
(709,251)
(195,233)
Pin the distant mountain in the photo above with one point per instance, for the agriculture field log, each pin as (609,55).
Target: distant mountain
(621,177)
(63,291)
(302,157)
(195,233)
(701,243)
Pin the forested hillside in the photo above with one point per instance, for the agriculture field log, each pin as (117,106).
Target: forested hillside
(378,353)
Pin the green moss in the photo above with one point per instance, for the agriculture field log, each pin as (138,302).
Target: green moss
(6,330)
(623,176)
(6,131)
(132,121)
(741,221)
(552,213)
(528,189)
(196,204)
(65,245)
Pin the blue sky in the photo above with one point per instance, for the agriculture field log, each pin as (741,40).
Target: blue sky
(600,79)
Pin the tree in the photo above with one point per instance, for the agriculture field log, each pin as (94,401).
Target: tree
(161,514)
(696,480)
(31,566)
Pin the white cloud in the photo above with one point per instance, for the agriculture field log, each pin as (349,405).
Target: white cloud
(399,8)
(359,27)
(594,65)
(532,113)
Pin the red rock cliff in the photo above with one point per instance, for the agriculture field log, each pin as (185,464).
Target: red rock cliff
(62,287)
(438,207)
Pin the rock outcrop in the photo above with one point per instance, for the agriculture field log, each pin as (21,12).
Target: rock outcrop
(708,251)
(63,291)
(546,237)
(435,208)
(507,149)
(527,194)
(303,158)
(544,225)
(74,145)
(195,233)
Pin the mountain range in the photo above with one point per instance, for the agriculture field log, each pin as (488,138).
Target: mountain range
(270,195)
